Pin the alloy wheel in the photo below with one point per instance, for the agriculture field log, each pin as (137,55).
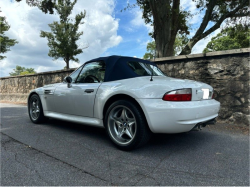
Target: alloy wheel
(34,109)
(122,125)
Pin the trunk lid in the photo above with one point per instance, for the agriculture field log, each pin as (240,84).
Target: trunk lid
(161,85)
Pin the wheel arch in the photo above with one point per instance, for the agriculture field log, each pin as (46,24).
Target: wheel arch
(33,92)
(117,97)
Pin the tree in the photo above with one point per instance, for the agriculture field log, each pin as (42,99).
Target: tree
(150,51)
(217,11)
(5,41)
(22,71)
(46,6)
(180,42)
(64,34)
(230,38)
(168,19)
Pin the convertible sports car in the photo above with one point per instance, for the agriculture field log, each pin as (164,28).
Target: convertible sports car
(130,97)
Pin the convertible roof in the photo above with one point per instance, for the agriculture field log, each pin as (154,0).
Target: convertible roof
(117,67)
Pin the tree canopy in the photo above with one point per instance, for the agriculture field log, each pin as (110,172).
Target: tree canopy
(150,51)
(230,38)
(5,41)
(168,19)
(22,71)
(64,34)
(46,6)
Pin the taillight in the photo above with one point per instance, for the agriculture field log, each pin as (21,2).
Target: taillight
(178,95)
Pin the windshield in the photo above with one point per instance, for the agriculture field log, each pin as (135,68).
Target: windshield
(143,69)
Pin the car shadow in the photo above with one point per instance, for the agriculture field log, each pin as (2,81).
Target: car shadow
(158,141)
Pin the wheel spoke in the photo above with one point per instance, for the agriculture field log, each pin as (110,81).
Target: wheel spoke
(130,123)
(129,133)
(123,114)
(120,132)
(37,109)
(34,114)
(116,120)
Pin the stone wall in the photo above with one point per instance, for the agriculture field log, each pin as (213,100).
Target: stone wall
(226,71)
(17,88)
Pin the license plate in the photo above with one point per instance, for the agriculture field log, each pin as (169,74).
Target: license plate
(205,93)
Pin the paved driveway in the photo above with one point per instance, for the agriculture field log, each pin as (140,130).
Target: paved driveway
(62,153)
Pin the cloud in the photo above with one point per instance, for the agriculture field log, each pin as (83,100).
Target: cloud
(138,21)
(190,6)
(100,33)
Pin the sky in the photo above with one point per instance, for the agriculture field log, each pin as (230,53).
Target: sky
(106,31)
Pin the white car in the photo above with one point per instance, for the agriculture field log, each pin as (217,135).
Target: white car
(130,97)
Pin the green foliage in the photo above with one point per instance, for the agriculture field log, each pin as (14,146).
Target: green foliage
(150,51)
(46,6)
(64,34)
(22,71)
(5,41)
(180,42)
(230,38)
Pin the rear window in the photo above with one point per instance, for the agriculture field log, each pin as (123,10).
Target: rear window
(143,69)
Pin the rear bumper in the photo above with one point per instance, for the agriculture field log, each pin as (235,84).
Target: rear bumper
(175,117)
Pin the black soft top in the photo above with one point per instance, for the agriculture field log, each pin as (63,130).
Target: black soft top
(117,67)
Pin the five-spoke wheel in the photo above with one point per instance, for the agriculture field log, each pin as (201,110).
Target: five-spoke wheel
(126,125)
(35,109)
(122,124)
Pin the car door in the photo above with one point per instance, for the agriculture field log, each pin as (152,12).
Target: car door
(78,98)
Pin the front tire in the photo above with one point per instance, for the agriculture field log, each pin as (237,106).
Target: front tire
(126,125)
(35,109)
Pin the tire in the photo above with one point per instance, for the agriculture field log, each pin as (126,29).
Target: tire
(126,125)
(35,109)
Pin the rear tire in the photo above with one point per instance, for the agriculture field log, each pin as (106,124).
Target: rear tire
(126,125)
(35,109)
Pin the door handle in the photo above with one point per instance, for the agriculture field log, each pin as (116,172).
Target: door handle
(89,90)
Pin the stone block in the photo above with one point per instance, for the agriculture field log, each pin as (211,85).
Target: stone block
(239,119)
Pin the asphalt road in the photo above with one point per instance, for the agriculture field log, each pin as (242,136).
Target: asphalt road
(62,153)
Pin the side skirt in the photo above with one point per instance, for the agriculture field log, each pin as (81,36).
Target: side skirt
(76,119)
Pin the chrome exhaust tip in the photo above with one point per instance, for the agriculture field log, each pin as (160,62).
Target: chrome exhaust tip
(198,126)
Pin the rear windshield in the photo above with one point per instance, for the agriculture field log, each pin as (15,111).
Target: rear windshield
(143,69)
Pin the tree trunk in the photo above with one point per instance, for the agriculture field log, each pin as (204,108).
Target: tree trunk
(165,26)
(66,59)
(188,48)
(67,64)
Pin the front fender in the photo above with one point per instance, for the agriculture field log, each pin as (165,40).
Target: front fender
(38,91)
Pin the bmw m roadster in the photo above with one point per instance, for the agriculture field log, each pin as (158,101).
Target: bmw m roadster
(130,97)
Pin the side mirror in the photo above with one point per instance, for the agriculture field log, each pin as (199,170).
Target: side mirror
(69,81)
